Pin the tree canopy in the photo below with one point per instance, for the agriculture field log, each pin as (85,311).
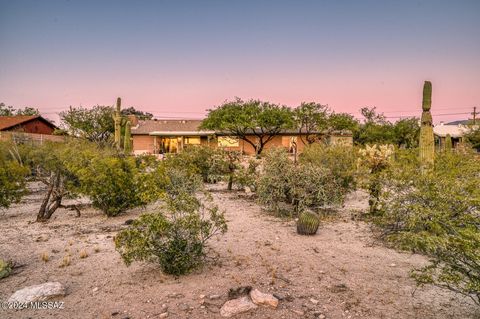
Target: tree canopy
(310,119)
(11,111)
(95,124)
(240,118)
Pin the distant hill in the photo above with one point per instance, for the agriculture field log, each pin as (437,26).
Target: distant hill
(463,122)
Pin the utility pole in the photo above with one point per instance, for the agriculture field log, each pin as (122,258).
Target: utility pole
(474,113)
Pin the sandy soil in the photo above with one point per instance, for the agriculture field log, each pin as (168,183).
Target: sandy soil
(341,267)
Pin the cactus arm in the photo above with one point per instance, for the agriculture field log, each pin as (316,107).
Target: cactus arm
(426,143)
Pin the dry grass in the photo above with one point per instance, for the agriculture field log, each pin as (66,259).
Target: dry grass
(83,253)
(44,256)
(66,261)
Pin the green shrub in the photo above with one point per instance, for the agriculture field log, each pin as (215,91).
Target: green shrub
(5,269)
(288,188)
(175,237)
(437,213)
(246,175)
(339,159)
(12,175)
(116,183)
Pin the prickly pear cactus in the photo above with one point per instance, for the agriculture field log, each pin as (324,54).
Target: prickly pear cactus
(308,223)
(427,144)
(5,269)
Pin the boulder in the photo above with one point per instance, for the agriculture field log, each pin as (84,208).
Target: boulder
(236,306)
(40,292)
(264,299)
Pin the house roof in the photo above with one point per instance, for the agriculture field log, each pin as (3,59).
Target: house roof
(167,127)
(454,130)
(192,127)
(7,122)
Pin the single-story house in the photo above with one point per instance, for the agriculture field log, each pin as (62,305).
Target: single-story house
(456,132)
(171,136)
(34,124)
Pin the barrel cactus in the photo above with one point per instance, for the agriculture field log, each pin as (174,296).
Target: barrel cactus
(5,269)
(426,143)
(308,223)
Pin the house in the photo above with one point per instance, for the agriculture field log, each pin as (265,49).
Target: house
(456,132)
(171,136)
(34,124)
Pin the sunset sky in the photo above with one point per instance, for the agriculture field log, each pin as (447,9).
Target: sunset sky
(179,58)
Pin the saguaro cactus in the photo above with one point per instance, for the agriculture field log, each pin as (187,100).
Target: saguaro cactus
(426,143)
(448,143)
(117,118)
(127,142)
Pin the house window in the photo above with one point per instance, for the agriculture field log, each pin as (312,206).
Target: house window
(194,140)
(228,141)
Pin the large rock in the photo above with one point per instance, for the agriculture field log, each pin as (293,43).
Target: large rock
(236,306)
(261,298)
(40,292)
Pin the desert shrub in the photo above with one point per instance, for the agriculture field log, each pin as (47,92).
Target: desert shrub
(201,160)
(116,183)
(299,185)
(49,164)
(5,269)
(339,159)
(12,175)
(437,213)
(246,175)
(175,237)
(371,163)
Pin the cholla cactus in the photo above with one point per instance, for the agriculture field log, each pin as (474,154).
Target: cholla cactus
(426,143)
(5,269)
(375,158)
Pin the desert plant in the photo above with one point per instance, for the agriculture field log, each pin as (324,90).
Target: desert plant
(426,143)
(117,183)
(12,175)
(372,161)
(174,237)
(338,159)
(308,223)
(283,185)
(437,213)
(448,143)
(5,269)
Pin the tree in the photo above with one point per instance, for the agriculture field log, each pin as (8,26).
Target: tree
(49,164)
(243,119)
(311,119)
(343,121)
(375,129)
(12,175)
(95,124)
(11,111)
(139,114)
(407,132)
(473,137)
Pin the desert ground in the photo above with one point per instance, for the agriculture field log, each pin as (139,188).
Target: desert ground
(341,272)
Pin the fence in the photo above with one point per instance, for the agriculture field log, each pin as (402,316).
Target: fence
(20,137)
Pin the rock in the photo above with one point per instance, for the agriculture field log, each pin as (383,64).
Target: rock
(314,301)
(95,289)
(201,296)
(261,298)
(175,295)
(40,292)
(214,297)
(298,312)
(236,306)
(163,315)
(129,222)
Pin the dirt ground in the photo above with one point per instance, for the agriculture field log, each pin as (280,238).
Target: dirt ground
(340,273)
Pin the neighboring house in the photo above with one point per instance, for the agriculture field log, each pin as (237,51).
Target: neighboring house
(171,136)
(34,124)
(456,132)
